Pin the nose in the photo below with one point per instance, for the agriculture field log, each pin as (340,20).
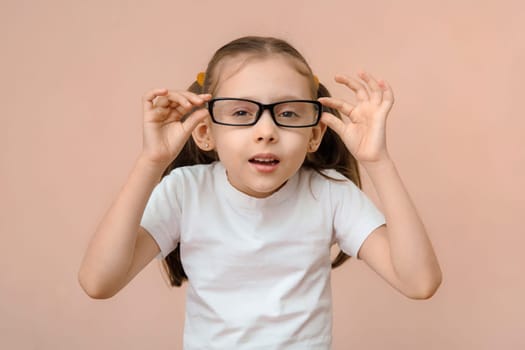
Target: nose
(265,130)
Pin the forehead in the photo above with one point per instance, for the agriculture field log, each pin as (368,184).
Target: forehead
(265,78)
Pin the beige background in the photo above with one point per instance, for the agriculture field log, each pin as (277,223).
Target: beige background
(72,76)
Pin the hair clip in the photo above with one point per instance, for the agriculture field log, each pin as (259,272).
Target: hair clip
(316,81)
(200,78)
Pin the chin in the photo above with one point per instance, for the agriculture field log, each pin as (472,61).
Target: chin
(264,191)
(260,193)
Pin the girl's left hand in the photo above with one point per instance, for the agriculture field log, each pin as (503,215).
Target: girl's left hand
(362,126)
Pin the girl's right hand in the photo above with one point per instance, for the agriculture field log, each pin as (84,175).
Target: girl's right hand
(165,133)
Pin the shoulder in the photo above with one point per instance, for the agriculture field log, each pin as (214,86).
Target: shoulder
(186,179)
(327,186)
(326,178)
(191,173)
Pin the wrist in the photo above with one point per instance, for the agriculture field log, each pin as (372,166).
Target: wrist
(155,168)
(378,165)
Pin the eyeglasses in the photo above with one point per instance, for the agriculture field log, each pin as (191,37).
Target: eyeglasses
(243,112)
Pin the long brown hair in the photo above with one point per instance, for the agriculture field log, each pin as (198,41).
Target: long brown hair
(331,154)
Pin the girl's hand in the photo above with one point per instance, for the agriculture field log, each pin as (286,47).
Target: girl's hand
(165,133)
(362,126)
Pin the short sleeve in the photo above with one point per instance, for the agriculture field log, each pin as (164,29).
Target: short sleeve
(355,216)
(162,215)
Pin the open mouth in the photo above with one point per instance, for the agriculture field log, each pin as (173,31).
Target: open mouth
(264,161)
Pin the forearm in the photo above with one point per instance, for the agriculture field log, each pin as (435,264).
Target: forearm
(411,251)
(110,253)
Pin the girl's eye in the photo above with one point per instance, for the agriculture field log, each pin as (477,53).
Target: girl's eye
(288,114)
(240,113)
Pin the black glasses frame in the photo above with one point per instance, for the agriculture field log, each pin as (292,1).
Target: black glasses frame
(262,108)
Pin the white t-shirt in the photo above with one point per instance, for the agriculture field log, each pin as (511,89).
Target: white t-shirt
(258,268)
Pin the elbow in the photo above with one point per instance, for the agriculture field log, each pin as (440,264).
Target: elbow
(427,289)
(93,289)
(424,294)
(93,294)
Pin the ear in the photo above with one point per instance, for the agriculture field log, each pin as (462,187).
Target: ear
(317,135)
(202,135)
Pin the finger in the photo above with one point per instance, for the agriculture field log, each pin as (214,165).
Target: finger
(336,103)
(175,115)
(162,110)
(341,105)
(158,114)
(194,119)
(192,98)
(205,97)
(388,94)
(197,102)
(356,86)
(177,98)
(178,112)
(149,96)
(333,122)
(162,107)
(181,103)
(376,93)
(161,101)
(196,99)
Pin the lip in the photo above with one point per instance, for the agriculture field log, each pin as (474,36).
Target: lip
(265,162)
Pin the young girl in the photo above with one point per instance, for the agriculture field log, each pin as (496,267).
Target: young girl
(260,179)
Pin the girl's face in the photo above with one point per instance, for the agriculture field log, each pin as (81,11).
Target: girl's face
(260,158)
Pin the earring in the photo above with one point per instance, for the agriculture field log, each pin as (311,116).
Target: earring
(206,146)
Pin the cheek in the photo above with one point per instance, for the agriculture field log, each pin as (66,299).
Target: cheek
(226,141)
(217,133)
(302,137)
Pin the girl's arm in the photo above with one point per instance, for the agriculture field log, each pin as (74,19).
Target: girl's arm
(401,251)
(120,248)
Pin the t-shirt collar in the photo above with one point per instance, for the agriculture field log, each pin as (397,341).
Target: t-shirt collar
(241,199)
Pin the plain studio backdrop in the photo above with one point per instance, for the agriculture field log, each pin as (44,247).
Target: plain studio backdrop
(72,77)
